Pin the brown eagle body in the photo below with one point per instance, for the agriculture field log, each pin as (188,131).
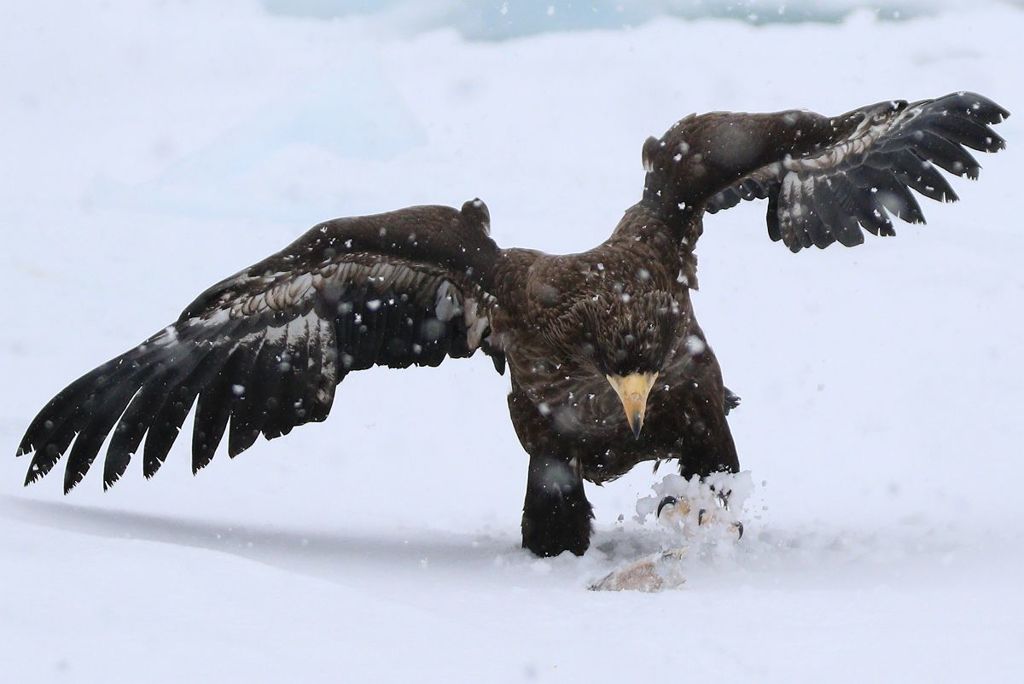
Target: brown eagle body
(608,364)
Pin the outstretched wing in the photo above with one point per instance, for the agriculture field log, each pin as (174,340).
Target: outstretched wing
(266,347)
(825,179)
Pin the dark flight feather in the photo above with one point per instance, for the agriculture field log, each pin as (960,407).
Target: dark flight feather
(262,351)
(864,162)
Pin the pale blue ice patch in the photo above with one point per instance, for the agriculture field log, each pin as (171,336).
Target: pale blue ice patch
(505,19)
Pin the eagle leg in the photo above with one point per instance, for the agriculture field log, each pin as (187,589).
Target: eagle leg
(706,442)
(556,513)
(706,447)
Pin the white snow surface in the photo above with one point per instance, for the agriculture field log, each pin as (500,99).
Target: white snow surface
(149,149)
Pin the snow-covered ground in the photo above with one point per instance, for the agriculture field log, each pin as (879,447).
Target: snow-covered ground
(148,149)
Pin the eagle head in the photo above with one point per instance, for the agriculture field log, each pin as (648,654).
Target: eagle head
(629,342)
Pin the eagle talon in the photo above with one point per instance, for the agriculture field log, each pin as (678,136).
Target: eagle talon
(667,501)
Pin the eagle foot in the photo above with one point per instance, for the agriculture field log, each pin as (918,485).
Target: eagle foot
(676,512)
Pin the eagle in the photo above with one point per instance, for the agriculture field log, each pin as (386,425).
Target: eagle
(608,365)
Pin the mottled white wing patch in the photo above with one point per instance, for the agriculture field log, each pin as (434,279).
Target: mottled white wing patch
(275,294)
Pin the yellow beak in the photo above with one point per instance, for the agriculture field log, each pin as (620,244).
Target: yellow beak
(633,390)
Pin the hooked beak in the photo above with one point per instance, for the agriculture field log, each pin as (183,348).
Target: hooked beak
(633,390)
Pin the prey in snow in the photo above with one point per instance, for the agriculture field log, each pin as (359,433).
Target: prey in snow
(609,367)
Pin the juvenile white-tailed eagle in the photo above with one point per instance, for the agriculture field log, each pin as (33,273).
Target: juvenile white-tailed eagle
(609,367)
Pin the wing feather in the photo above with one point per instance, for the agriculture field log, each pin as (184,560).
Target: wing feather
(213,409)
(262,351)
(826,179)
